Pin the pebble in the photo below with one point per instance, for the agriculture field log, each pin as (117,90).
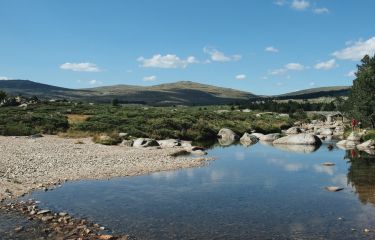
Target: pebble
(45,211)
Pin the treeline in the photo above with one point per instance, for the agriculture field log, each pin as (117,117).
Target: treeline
(270,105)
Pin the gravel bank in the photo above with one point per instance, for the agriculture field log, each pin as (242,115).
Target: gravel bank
(27,164)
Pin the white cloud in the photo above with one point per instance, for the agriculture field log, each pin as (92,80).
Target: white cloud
(80,67)
(300,5)
(95,82)
(280,2)
(294,66)
(321,10)
(312,84)
(279,71)
(241,77)
(166,61)
(357,50)
(218,56)
(351,73)
(150,78)
(326,65)
(4,78)
(271,49)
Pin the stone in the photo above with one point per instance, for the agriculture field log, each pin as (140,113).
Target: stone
(270,137)
(45,211)
(257,135)
(299,139)
(145,142)
(293,130)
(334,188)
(47,218)
(123,135)
(199,152)
(325,132)
(106,237)
(370,144)
(329,164)
(355,137)
(169,143)
(127,143)
(227,134)
(248,139)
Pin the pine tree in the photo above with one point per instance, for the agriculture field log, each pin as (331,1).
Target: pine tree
(361,101)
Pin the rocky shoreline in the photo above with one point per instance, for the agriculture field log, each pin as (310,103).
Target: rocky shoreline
(28,164)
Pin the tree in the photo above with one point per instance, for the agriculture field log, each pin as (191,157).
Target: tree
(3,96)
(361,101)
(115,102)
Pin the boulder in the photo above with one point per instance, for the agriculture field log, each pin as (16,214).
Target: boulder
(370,144)
(258,135)
(123,135)
(169,143)
(299,139)
(293,130)
(127,143)
(145,142)
(248,139)
(270,137)
(325,131)
(227,134)
(346,144)
(355,137)
(297,148)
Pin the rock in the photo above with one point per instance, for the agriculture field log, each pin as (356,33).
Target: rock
(270,137)
(145,142)
(293,130)
(226,141)
(329,164)
(47,218)
(127,143)
(18,229)
(330,147)
(227,134)
(258,135)
(186,144)
(38,135)
(43,212)
(299,139)
(370,144)
(199,152)
(325,132)
(333,188)
(248,139)
(63,214)
(355,137)
(123,135)
(169,143)
(106,237)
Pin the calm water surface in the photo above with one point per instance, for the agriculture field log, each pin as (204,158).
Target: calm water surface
(256,192)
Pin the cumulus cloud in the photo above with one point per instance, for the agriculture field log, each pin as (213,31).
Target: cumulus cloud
(4,78)
(279,71)
(321,10)
(240,76)
(326,65)
(295,66)
(357,50)
(166,61)
(280,2)
(351,73)
(80,67)
(271,49)
(300,5)
(218,56)
(95,82)
(150,78)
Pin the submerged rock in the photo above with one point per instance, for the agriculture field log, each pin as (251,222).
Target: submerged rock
(299,139)
(328,164)
(334,188)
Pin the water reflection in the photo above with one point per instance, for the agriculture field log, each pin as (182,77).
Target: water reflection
(297,148)
(361,175)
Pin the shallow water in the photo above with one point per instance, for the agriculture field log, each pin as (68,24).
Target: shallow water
(256,192)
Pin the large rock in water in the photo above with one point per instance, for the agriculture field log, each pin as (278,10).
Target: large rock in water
(270,137)
(370,144)
(145,142)
(299,139)
(355,137)
(227,135)
(258,135)
(351,142)
(248,139)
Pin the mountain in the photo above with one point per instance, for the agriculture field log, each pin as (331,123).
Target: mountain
(316,93)
(183,92)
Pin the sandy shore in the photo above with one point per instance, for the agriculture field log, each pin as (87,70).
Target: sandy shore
(27,164)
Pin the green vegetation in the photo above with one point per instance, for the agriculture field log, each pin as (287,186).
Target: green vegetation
(189,123)
(361,101)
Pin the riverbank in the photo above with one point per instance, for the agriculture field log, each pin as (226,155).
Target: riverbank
(27,164)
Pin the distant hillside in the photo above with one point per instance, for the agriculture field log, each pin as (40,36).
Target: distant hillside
(187,93)
(316,93)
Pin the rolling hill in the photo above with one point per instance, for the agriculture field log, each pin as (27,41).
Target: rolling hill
(183,92)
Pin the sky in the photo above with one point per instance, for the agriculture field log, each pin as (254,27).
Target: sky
(260,46)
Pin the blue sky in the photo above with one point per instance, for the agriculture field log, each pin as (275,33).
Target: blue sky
(261,46)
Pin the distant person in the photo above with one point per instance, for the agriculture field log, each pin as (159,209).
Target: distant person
(354,124)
